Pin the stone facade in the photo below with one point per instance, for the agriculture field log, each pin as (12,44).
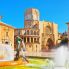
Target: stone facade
(30,37)
(48,35)
(6,34)
(37,35)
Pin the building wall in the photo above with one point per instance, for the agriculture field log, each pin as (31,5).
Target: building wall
(40,34)
(48,30)
(55,31)
(31,40)
(59,38)
(6,34)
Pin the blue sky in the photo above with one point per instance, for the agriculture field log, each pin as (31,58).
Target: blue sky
(51,10)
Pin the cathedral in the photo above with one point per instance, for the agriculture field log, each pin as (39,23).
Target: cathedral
(37,35)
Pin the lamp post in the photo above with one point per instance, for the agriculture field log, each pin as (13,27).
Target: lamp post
(68,32)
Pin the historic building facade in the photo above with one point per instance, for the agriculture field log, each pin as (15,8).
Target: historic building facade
(37,35)
(6,34)
(48,35)
(31,30)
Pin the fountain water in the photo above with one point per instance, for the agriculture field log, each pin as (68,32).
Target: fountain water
(6,52)
(60,57)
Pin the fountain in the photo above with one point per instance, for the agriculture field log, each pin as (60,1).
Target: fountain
(6,52)
(61,55)
(7,56)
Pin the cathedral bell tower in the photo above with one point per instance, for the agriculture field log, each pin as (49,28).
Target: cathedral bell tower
(31,18)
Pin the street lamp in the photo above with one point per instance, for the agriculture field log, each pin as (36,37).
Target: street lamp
(68,32)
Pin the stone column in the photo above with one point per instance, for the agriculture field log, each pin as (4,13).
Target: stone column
(33,40)
(26,39)
(30,39)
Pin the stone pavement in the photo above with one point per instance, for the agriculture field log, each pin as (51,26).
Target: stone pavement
(41,54)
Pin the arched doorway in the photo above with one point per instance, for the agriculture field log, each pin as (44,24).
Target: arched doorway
(50,43)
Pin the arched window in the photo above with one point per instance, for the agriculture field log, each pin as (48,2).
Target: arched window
(34,32)
(31,32)
(27,32)
(38,40)
(32,40)
(37,32)
(6,34)
(48,30)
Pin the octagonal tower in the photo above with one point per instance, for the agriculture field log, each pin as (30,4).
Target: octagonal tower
(31,18)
